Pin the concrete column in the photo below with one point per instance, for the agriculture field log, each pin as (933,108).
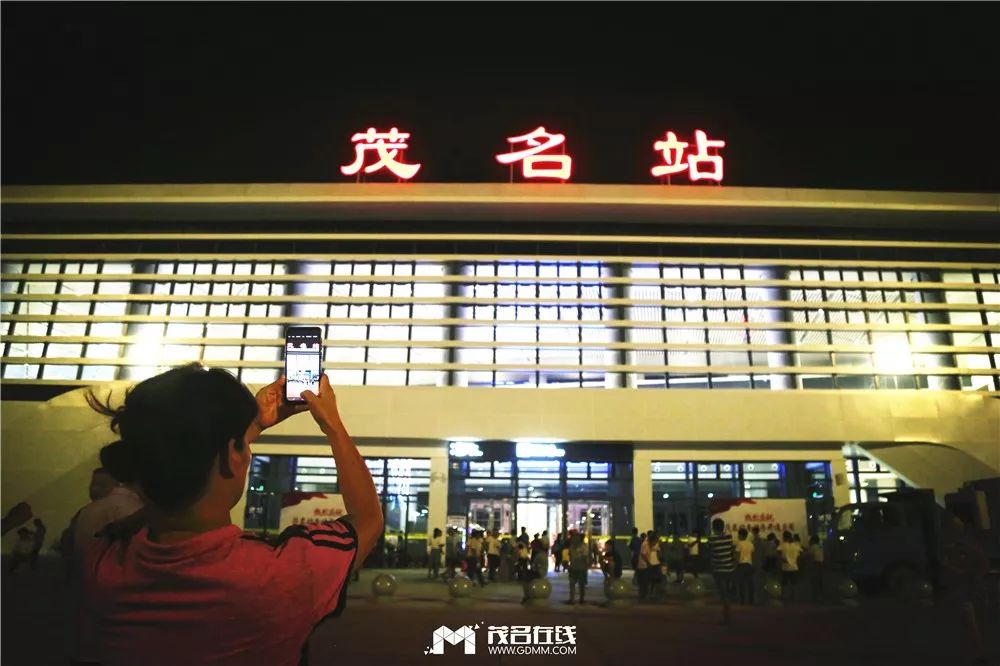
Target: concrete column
(841,483)
(642,492)
(437,501)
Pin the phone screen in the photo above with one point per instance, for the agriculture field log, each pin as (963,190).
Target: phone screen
(303,355)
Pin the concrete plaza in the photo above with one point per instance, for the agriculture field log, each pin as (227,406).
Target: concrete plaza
(673,629)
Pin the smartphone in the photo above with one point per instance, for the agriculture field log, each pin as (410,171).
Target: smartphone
(303,361)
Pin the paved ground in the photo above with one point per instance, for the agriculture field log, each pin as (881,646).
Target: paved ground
(673,630)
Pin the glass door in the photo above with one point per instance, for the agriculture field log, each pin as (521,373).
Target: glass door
(491,514)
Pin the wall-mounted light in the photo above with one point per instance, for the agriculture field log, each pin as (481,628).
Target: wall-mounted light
(464,450)
(892,357)
(538,450)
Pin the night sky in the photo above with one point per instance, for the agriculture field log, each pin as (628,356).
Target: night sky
(855,95)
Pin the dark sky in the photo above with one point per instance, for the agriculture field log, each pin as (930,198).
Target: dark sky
(854,95)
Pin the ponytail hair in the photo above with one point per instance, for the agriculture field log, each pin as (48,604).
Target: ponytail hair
(173,429)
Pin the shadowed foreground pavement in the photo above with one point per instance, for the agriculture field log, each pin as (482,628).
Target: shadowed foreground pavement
(674,630)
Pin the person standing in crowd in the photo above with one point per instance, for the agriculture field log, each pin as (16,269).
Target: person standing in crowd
(524,538)
(557,547)
(814,558)
(523,561)
(39,541)
(595,550)
(772,561)
(453,548)
(692,557)
(178,580)
(493,554)
(649,564)
(546,541)
(435,548)
(540,558)
(506,559)
(391,548)
(759,556)
(474,558)
(720,545)
(117,498)
(674,555)
(534,564)
(100,486)
(634,547)
(579,567)
(23,548)
(611,561)
(789,553)
(744,566)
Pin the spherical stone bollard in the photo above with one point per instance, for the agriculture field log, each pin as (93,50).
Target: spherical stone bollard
(618,592)
(538,592)
(460,589)
(694,591)
(846,591)
(384,588)
(923,592)
(772,588)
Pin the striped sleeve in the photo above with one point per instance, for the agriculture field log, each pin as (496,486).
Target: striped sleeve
(322,556)
(722,552)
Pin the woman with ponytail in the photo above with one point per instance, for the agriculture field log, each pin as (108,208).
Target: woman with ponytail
(189,587)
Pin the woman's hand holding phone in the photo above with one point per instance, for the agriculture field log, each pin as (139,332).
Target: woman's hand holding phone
(323,407)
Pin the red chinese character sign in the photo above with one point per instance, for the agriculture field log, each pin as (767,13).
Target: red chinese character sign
(387,146)
(699,164)
(536,162)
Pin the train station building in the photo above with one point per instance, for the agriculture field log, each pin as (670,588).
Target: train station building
(551,356)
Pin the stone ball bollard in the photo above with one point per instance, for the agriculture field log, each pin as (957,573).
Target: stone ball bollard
(384,587)
(617,591)
(460,590)
(694,590)
(538,591)
(845,590)
(923,592)
(773,590)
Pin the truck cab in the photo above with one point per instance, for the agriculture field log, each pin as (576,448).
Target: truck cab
(887,542)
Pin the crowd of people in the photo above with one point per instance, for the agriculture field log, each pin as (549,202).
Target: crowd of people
(488,556)
(523,559)
(754,559)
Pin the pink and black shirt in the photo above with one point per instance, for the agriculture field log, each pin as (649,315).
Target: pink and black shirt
(222,597)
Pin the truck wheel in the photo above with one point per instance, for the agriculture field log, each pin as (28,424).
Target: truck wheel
(900,579)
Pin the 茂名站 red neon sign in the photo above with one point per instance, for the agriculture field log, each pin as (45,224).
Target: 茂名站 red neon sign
(536,159)
(387,145)
(674,160)
(538,142)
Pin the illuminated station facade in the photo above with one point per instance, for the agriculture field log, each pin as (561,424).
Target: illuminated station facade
(535,353)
